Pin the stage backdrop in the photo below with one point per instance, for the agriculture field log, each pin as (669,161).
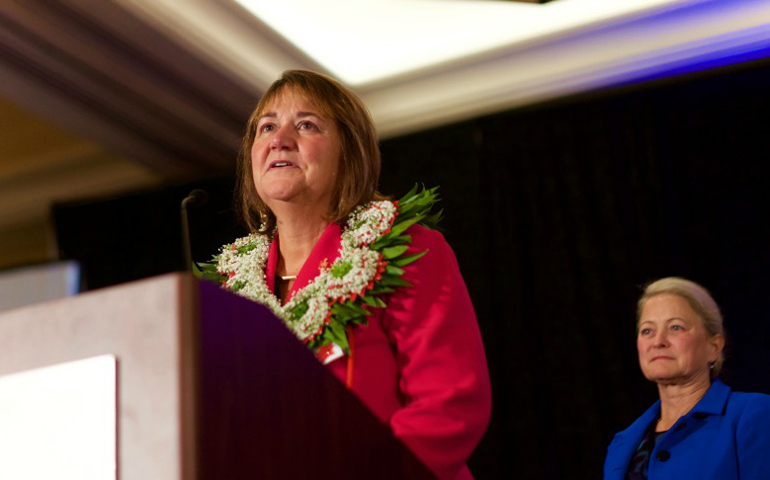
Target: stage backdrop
(558,214)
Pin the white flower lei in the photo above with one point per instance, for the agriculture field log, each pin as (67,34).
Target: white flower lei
(352,273)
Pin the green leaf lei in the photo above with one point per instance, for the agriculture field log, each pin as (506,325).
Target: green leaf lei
(369,267)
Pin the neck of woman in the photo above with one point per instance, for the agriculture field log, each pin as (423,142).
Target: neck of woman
(297,235)
(678,398)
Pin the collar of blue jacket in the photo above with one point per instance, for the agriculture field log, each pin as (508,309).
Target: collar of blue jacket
(625,443)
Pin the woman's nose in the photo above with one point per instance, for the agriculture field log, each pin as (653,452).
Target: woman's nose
(661,339)
(283,139)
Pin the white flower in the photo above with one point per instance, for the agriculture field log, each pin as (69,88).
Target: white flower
(369,222)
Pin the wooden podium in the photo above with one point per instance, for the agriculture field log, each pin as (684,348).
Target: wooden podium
(209,386)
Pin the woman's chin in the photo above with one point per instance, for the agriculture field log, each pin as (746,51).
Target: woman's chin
(662,376)
(280,192)
(675,378)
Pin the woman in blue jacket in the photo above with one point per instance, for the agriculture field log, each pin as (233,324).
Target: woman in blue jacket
(700,428)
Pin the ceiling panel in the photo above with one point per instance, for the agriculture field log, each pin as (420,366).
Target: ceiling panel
(93,68)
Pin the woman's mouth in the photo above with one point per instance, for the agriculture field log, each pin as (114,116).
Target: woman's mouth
(661,357)
(281,164)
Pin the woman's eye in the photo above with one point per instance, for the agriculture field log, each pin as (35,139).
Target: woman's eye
(645,331)
(676,328)
(307,126)
(266,127)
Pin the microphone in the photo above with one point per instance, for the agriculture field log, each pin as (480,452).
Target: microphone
(198,198)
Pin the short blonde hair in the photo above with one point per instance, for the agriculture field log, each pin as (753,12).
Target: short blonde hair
(359,167)
(699,299)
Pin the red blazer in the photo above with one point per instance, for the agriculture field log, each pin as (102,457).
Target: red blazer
(419,365)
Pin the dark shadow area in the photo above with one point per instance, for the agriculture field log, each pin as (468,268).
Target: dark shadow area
(139,235)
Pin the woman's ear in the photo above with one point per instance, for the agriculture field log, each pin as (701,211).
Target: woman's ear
(717,343)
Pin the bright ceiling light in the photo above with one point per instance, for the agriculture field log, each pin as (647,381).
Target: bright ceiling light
(366,41)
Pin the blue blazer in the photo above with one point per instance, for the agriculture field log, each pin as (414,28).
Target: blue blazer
(725,436)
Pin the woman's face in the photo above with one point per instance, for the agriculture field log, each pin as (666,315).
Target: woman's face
(296,153)
(672,342)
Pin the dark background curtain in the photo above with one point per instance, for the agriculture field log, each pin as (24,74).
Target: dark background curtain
(558,214)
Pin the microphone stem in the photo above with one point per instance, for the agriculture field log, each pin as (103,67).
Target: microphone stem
(196,197)
(186,236)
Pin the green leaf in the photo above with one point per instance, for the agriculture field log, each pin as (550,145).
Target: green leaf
(341,312)
(400,227)
(198,270)
(380,290)
(393,252)
(348,310)
(418,203)
(358,309)
(339,269)
(337,331)
(207,271)
(373,301)
(246,248)
(395,281)
(388,241)
(409,195)
(408,210)
(382,239)
(370,300)
(298,311)
(393,270)
(407,259)
(334,332)
(433,220)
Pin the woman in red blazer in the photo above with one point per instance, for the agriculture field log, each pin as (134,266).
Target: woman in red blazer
(378,297)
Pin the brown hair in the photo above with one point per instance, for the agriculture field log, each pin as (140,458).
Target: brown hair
(359,166)
(699,299)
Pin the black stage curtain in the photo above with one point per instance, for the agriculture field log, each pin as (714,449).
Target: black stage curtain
(558,214)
